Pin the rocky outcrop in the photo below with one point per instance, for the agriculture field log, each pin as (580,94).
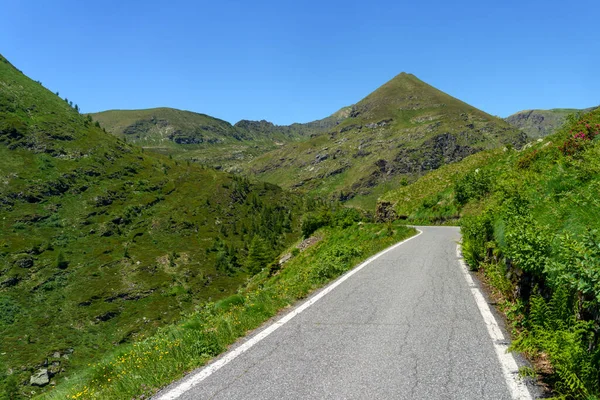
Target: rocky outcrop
(435,152)
(541,123)
(385,212)
(23,261)
(379,124)
(40,378)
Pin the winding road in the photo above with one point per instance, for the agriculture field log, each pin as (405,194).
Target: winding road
(409,324)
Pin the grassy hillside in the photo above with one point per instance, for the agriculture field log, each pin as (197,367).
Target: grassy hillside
(402,130)
(102,243)
(541,123)
(186,135)
(430,199)
(531,223)
(161,127)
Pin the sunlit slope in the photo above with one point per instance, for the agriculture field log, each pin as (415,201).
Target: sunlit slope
(402,130)
(101,242)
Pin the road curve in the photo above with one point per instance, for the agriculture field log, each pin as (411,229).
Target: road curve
(404,327)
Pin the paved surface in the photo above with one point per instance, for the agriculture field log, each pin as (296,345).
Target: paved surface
(404,327)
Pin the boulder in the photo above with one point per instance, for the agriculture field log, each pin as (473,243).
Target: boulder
(40,378)
(24,261)
(285,258)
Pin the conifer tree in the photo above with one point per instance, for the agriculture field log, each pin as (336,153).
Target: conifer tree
(258,255)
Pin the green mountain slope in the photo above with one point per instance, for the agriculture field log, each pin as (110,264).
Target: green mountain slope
(160,127)
(283,133)
(541,123)
(530,221)
(101,243)
(403,129)
(186,135)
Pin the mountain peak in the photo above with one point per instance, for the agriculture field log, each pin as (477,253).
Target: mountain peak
(404,74)
(405,93)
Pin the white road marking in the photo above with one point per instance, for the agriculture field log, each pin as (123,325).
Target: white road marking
(510,368)
(197,377)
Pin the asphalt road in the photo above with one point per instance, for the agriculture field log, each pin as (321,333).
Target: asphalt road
(404,327)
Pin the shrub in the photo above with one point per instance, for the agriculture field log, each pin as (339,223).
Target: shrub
(9,310)
(347,216)
(553,330)
(526,160)
(576,266)
(343,217)
(313,221)
(476,232)
(581,134)
(473,185)
(61,262)
(528,245)
(335,261)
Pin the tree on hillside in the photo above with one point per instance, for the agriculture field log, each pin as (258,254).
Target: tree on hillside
(61,261)
(258,255)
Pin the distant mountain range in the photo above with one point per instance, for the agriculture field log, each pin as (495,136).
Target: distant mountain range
(541,123)
(401,130)
(202,138)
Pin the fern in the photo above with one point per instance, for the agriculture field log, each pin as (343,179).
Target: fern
(560,309)
(570,383)
(538,313)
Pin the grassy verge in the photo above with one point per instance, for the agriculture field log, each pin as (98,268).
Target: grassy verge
(530,222)
(139,369)
(534,229)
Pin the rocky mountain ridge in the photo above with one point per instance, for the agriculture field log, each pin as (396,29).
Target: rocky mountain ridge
(541,123)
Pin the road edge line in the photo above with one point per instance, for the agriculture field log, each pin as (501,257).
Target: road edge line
(510,367)
(196,377)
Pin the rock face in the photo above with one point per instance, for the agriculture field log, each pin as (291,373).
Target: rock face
(435,152)
(541,123)
(385,212)
(40,378)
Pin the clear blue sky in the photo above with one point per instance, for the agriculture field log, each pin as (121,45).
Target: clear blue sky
(296,61)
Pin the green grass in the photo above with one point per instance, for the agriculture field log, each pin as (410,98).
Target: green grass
(146,365)
(163,127)
(430,198)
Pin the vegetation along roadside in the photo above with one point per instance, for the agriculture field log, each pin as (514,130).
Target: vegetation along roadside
(140,368)
(530,221)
